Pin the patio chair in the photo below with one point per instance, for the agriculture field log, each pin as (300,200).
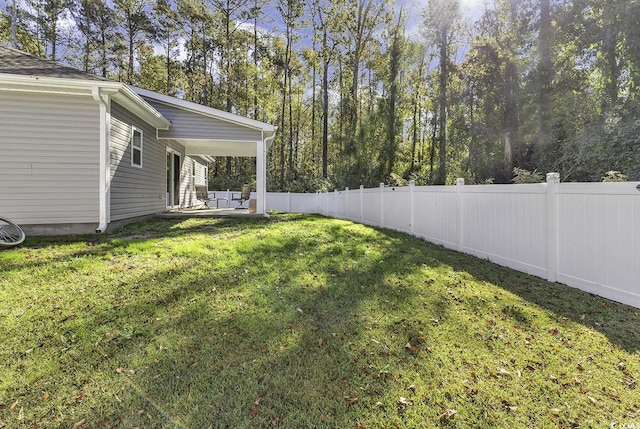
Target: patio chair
(202,194)
(242,196)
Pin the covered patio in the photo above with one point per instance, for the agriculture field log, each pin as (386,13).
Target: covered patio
(210,212)
(206,132)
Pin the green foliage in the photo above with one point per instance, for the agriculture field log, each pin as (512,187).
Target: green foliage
(520,175)
(614,176)
(562,97)
(396,180)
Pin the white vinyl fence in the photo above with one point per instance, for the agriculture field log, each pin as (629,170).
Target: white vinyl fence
(585,235)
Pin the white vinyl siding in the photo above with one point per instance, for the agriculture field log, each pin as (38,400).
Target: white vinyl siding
(139,191)
(49,148)
(190,125)
(135,191)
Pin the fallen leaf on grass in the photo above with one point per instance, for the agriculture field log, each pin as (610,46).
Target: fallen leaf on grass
(403,403)
(79,396)
(79,423)
(555,412)
(108,424)
(411,348)
(351,399)
(255,410)
(447,415)
(503,372)
(508,405)
(613,396)
(45,396)
(629,381)
(360,426)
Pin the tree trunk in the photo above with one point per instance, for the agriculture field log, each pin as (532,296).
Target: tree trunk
(511,103)
(546,73)
(256,10)
(442,100)
(325,109)
(394,66)
(609,45)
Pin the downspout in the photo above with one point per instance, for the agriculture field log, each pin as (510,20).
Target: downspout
(103,191)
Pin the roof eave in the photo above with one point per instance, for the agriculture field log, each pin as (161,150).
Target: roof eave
(208,111)
(120,92)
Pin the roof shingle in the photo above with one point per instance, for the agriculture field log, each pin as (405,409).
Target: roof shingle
(13,61)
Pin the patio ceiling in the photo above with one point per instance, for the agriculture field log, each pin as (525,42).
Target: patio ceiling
(213,147)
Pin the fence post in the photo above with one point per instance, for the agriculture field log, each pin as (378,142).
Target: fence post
(552,226)
(381,204)
(361,207)
(459,186)
(346,203)
(289,202)
(412,185)
(335,202)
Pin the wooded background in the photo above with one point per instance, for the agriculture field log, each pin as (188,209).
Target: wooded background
(372,91)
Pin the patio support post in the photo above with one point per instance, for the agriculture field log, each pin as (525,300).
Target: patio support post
(261,176)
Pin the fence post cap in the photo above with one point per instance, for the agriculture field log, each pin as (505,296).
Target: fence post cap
(459,181)
(553,177)
(412,183)
(382,185)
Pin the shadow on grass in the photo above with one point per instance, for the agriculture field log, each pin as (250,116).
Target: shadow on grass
(278,351)
(618,322)
(231,337)
(279,334)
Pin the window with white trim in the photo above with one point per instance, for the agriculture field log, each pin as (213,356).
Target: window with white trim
(193,174)
(136,147)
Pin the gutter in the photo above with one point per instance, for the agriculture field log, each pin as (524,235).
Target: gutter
(103,190)
(269,140)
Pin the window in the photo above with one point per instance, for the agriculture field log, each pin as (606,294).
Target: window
(193,174)
(136,147)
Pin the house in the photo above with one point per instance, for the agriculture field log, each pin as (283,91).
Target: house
(80,154)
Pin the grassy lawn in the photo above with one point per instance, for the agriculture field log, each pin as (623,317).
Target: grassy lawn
(300,321)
